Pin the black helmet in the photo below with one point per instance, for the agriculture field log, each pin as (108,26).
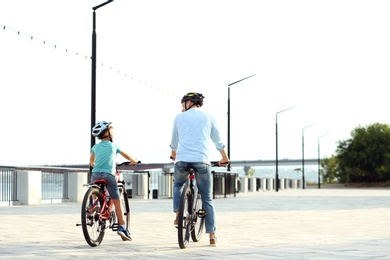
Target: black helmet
(197,98)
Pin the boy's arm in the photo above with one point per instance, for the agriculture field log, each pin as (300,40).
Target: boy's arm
(130,158)
(92,159)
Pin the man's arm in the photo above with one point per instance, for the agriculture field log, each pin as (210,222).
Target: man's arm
(225,159)
(173,155)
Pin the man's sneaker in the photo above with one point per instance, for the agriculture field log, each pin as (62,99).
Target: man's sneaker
(124,233)
(213,241)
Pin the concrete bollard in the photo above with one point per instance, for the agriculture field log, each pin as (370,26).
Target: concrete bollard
(270,185)
(29,187)
(251,184)
(243,184)
(76,190)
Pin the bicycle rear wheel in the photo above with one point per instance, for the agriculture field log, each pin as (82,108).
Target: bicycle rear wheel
(93,227)
(184,225)
(197,232)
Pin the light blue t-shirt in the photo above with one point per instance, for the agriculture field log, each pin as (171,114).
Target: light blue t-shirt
(105,153)
(192,133)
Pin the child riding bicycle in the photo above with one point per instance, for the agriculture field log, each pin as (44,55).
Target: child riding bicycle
(102,159)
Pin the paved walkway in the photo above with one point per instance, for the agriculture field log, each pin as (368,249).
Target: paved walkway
(289,224)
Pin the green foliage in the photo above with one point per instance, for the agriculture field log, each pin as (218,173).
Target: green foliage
(365,157)
(329,170)
(250,172)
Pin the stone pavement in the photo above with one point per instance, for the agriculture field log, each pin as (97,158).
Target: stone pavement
(346,223)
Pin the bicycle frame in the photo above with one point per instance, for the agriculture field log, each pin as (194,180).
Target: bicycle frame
(191,216)
(106,208)
(97,208)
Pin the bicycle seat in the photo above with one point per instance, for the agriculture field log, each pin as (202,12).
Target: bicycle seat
(190,168)
(100,181)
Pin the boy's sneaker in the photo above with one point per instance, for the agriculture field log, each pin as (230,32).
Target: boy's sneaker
(124,233)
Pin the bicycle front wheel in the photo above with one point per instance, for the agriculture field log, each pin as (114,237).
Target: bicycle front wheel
(200,214)
(125,206)
(184,225)
(93,227)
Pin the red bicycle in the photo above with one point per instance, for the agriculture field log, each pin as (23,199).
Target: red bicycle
(98,210)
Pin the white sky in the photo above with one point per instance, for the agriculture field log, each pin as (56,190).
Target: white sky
(329,59)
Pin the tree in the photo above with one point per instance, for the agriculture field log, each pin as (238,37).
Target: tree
(329,170)
(365,157)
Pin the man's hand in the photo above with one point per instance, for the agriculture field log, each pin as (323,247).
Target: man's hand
(223,162)
(173,155)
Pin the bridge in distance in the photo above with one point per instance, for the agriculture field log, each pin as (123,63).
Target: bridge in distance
(244,163)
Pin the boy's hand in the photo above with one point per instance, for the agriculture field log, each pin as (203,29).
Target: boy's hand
(134,162)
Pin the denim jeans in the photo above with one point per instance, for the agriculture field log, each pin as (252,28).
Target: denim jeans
(112,186)
(203,181)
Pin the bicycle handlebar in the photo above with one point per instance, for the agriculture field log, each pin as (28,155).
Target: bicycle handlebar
(216,164)
(125,163)
(213,163)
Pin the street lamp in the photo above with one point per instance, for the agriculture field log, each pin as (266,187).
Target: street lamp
(277,162)
(303,156)
(319,161)
(228,113)
(93,78)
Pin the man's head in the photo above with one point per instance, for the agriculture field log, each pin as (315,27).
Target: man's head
(195,99)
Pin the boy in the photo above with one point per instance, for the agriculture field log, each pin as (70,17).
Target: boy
(102,159)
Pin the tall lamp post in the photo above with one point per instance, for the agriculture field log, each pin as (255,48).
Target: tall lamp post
(228,114)
(319,161)
(93,78)
(303,156)
(277,161)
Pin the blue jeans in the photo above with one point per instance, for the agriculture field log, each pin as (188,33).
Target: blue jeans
(112,186)
(203,180)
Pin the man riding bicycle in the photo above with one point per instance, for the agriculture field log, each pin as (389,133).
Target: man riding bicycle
(102,159)
(191,134)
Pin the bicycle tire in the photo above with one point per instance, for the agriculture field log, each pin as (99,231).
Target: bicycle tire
(125,208)
(197,231)
(184,225)
(93,227)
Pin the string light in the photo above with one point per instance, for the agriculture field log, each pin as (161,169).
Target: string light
(56,46)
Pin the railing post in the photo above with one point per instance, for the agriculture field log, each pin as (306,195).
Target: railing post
(29,187)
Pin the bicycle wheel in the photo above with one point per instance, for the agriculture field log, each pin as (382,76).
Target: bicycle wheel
(197,232)
(184,225)
(125,208)
(93,227)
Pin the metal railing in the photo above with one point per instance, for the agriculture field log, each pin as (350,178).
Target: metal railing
(8,184)
(224,184)
(54,185)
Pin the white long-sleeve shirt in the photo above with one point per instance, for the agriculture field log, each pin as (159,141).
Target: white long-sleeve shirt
(192,133)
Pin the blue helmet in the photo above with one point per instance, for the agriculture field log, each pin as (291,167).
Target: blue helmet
(100,127)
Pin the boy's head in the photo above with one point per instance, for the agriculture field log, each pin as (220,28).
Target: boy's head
(101,129)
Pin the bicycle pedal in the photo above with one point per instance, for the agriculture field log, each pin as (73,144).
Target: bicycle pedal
(201,213)
(115,227)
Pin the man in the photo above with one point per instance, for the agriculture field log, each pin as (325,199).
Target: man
(192,131)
